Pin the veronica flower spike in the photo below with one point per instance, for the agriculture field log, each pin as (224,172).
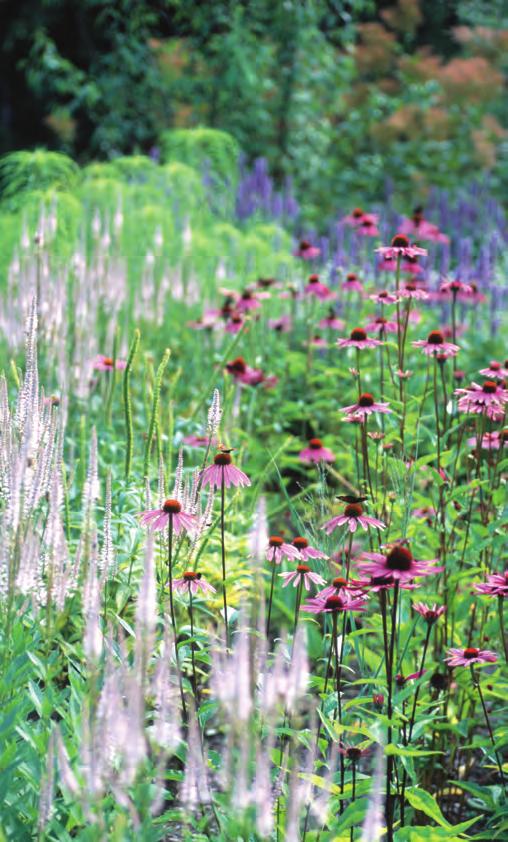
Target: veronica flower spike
(303,574)
(156,519)
(352,516)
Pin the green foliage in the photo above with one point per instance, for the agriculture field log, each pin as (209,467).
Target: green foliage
(24,171)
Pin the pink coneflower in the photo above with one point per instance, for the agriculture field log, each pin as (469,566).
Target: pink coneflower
(280,325)
(383,583)
(358,339)
(448,289)
(368,227)
(156,519)
(307,251)
(223,472)
(398,563)
(206,322)
(357,217)
(472,297)
(381,324)
(316,452)
(365,406)
(468,657)
(435,344)
(384,297)
(490,441)
(235,323)
(317,342)
(427,513)
(495,371)
(277,550)
(401,680)
(343,588)
(421,228)
(302,574)
(400,247)
(247,301)
(192,582)
(334,605)
(352,516)
(331,322)
(305,550)
(489,399)
(352,284)
(430,613)
(411,266)
(414,292)
(496,585)
(102,363)
(316,288)
(245,374)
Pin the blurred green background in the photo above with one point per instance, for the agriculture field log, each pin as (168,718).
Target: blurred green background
(339,97)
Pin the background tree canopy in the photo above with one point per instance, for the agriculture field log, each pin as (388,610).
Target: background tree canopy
(338,96)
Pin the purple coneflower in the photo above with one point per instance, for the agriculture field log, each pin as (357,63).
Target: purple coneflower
(307,251)
(495,371)
(352,284)
(487,399)
(352,753)
(430,613)
(331,322)
(305,550)
(223,472)
(247,301)
(435,344)
(496,585)
(277,550)
(343,588)
(352,516)
(334,604)
(102,363)
(303,574)
(192,582)
(316,452)
(384,297)
(400,247)
(235,323)
(280,325)
(365,406)
(468,657)
(156,519)
(397,563)
(412,291)
(381,324)
(358,339)
(316,288)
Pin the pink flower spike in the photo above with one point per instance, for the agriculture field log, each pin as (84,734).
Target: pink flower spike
(222,472)
(192,582)
(302,573)
(468,657)
(102,363)
(156,519)
(315,452)
(496,585)
(277,550)
(358,339)
(353,515)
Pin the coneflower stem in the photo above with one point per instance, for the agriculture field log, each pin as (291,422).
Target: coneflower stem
(476,683)
(191,618)
(339,703)
(223,552)
(500,605)
(353,792)
(127,403)
(412,722)
(172,611)
(389,681)
(272,584)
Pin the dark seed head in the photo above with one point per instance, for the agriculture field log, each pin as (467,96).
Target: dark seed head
(172,507)
(300,543)
(315,444)
(400,241)
(222,459)
(275,541)
(471,652)
(303,568)
(353,510)
(399,558)
(490,387)
(435,337)
(358,334)
(366,399)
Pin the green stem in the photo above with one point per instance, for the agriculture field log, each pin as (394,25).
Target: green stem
(127,403)
(155,410)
